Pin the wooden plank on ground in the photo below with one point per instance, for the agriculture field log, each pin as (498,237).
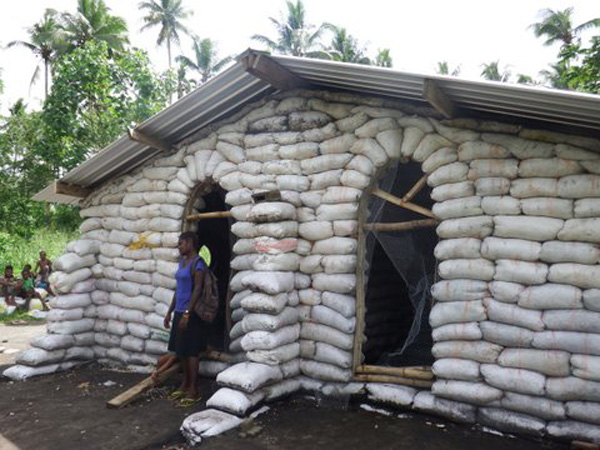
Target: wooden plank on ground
(146,384)
(209,215)
(389,379)
(419,373)
(401,226)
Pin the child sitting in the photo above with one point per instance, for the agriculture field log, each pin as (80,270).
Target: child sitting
(8,285)
(26,288)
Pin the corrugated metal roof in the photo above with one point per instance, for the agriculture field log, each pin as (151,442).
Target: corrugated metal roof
(235,87)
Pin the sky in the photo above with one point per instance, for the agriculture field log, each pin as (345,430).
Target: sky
(419,33)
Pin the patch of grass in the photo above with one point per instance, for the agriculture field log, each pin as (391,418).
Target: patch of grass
(17,251)
(18,315)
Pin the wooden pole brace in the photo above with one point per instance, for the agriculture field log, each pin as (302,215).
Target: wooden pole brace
(138,136)
(71,190)
(401,226)
(403,204)
(209,215)
(262,66)
(373,378)
(415,189)
(419,373)
(438,99)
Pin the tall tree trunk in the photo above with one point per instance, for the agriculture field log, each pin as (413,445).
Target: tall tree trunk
(45,79)
(169,51)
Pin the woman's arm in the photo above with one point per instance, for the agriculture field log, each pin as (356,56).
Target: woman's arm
(198,280)
(167,321)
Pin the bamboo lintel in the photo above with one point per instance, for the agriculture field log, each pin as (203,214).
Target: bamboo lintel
(214,355)
(419,373)
(209,215)
(372,378)
(403,204)
(400,226)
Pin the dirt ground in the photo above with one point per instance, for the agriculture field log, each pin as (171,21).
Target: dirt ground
(67,411)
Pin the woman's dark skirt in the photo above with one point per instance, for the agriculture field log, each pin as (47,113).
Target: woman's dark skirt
(190,342)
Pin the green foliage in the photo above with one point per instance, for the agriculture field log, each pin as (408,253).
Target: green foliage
(345,47)
(492,72)
(18,316)
(94,98)
(383,58)
(18,251)
(581,66)
(206,61)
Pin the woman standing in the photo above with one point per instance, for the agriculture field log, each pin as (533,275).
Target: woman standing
(187,337)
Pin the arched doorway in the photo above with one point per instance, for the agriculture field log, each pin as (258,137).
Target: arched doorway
(395,273)
(207,215)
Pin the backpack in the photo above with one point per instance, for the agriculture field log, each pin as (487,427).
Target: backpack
(207,305)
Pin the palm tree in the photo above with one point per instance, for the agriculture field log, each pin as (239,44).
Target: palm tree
(93,22)
(555,76)
(557,26)
(444,69)
(206,61)
(492,72)
(344,47)
(168,14)
(184,84)
(383,58)
(44,41)
(294,36)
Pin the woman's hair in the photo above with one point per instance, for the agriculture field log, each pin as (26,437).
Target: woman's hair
(191,237)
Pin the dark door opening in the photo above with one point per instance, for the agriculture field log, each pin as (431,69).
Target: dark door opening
(400,270)
(216,236)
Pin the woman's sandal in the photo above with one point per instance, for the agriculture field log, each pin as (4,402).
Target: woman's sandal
(187,402)
(176,395)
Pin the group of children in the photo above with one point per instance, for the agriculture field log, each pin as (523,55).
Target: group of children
(24,287)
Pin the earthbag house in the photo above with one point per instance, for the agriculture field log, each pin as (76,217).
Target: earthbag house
(428,241)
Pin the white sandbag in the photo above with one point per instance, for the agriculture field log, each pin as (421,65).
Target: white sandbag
(276,356)
(123,263)
(587,207)
(113,273)
(278,230)
(514,380)
(299,151)
(325,163)
(132,315)
(122,357)
(155,321)
(293,183)
(79,353)
(511,422)
(83,287)
(457,312)
(100,297)
(335,246)
(262,303)
(572,388)
(459,290)
(324,371)
(340,283)
(344,304)
(398,396)
(164,224)
(155,347)
(555,251)
(580,230)
(466,391)
(591,299)
(340,211)
(492,186)
(18,372)
(315,231)
(337,194)
(469,331)
(326,179)
(277,262)
(345,228)
(425,402)
(132,344)
(59,315)
(550,207)
(513,315)
(458,248)
(506,335)
(90,224)
(484,352)
(551,296)
(106,312)
(501,168)
(71,301)
(116,327)
(327,316)
(140,278)
(521,271)
(534,187)
(505,291)
(269,282)
(439,158)
(578,186)
(502,205)
(530,228)
(475,269)
(269,322)
(456,369)
(428,145)
(139,330)
(233,153)
(551,363)
(301,281)
(323,333)
(249,376)
(107,340)
(265,340)
(569,320)
(535,406)
(372,150)
(475,227)
(586,367)
(574,342)
(339,263)
(548,167)
(461,207)
(272,212)
(51,342)
(481,150)
(450,173)
(36,357)
(84,247)
(233,401)
(581,275)
(519,249)
(70,262)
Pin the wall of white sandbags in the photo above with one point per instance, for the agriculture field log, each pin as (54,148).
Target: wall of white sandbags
(515,310)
